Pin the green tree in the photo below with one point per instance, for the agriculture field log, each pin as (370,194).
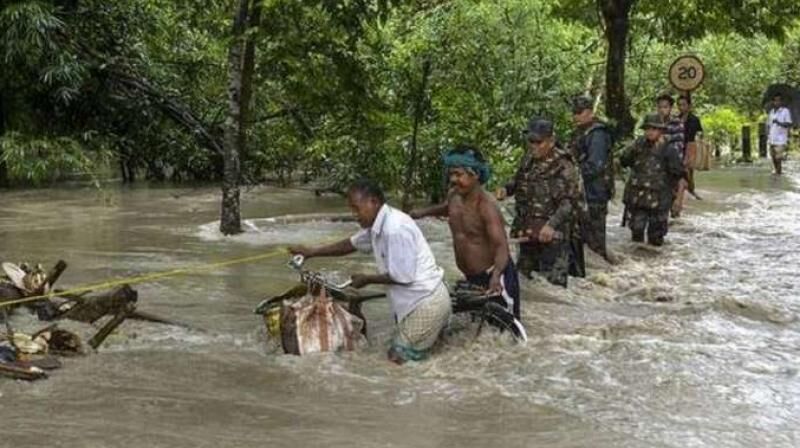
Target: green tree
(241,64)
(136,78)
(676,22)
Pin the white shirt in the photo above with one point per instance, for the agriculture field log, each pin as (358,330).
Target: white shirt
(778,135)
(401,251)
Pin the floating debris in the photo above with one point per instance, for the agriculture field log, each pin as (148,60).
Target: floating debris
(27,356)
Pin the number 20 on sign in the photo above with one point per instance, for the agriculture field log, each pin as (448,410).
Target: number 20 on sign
(687,73)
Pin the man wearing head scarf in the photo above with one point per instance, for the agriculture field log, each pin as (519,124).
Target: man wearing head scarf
(479,236)
(549,197)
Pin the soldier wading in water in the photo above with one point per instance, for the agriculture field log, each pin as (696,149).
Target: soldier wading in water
(548,200)
(592,144)
(656,166)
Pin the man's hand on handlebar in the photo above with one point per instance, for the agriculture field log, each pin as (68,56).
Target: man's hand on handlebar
(305,251)
(495,286)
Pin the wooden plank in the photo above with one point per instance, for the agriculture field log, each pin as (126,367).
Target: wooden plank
(21,373)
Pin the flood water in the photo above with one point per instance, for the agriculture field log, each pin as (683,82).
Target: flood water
(694,345)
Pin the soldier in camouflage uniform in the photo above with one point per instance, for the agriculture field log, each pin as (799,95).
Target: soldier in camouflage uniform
(655,165)
(592,147)
(548,199)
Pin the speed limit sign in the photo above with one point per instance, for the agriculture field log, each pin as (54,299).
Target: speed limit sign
(687,73)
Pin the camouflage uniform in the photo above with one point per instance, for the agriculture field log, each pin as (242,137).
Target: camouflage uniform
(548,192)
(655,167)
(592,147)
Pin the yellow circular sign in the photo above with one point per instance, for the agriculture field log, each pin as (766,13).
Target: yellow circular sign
(687,73)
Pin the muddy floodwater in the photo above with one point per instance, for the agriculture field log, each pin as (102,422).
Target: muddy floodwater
(694,345)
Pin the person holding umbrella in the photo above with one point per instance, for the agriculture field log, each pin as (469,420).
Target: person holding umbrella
(779,121)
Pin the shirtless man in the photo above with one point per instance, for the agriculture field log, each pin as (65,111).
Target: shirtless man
(479,236)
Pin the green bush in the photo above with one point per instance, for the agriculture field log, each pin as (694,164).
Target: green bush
(723,126)
(40,160)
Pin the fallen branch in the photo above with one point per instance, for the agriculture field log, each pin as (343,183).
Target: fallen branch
(92,308)
(148,317)
(55,273)
(111,325)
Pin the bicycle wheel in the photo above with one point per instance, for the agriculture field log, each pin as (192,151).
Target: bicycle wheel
(499,317)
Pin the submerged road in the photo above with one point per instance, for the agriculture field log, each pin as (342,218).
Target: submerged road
(693,345)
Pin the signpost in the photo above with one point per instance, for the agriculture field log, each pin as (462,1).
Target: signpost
(687,73)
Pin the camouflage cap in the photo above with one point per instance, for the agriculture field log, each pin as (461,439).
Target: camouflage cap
(581,103)
(653,121)
(539,129)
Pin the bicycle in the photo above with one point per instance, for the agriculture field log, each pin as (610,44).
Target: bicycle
(466,299)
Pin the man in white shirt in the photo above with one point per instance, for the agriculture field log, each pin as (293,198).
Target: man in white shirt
(779,122)
(419,299)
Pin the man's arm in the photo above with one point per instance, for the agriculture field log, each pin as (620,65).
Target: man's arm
(434,210)
(510,187)
(570,191)
(697,127)
(339,248)
(691,151)
(561,214)
(495,228)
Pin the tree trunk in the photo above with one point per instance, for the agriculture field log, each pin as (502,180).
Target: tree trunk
(230,219)
(419,112)
(126,166)
(248,68)
(616,15)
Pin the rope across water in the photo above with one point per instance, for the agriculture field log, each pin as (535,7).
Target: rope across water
(146,278)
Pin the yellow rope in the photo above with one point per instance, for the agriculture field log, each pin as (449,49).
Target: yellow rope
(145,278)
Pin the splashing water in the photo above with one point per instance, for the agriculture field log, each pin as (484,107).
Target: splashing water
(692,344)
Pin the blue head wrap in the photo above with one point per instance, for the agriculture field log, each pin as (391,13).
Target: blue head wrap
(468,160)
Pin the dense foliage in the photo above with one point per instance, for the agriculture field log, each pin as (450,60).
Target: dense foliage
(345,88)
